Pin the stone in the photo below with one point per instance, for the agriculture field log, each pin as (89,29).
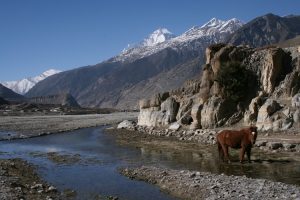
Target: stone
(296,116)
(288,145)
(216,111)
(260,143)
(267,109)
(274,145)
(158,116)
(296,101)
(126,124)
(175,126)
(170,108)
(287,123)
(144,103)
(273,67)
(196,116)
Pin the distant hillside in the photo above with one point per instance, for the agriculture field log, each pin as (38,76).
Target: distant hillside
(10,95)
(266,30)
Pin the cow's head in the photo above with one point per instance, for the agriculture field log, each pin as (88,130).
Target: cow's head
(253,135)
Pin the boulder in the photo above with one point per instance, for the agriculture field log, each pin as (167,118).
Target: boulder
(170,108)
(196,116)
(185,106)
(251,114)
(274,65)
(126,124)
(175,126)
(155,100)
(216,111)
(287,123)
(274,145)
(144,103)
(267,109)
(161,115)
(296,101)
(296,116)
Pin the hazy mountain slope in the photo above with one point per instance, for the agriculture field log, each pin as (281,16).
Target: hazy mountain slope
(164,81)
(24,85)
(108,84)
(265,30)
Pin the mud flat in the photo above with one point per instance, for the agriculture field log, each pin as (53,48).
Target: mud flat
(19,181)
(186,184)
(12,127)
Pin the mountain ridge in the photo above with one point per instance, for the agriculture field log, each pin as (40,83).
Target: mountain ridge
(105,84)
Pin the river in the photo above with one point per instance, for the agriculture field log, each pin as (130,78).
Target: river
(87,161)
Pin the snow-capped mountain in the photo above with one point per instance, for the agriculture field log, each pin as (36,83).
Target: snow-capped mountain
(215,30)
(22,86)
(158,36)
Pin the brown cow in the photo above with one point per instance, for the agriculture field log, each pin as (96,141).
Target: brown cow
(238,139)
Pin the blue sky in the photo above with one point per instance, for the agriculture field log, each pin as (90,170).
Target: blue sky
(63,34)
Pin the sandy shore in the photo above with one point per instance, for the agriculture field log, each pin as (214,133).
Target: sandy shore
(30,126)
(202,185)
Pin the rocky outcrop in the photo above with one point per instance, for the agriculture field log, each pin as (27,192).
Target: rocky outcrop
(160,110)
(59,99)
(275,65)
(269,80)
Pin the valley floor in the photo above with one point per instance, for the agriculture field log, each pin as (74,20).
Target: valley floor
(15,127)
(184,184)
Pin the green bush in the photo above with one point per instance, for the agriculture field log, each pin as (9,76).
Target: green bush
(233,79)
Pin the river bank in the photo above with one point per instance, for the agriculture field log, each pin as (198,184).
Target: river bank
(186,184)
(12,127)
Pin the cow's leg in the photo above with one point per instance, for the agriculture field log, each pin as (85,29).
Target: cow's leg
(221,154)
(242,153)
(249,154)
(225,150)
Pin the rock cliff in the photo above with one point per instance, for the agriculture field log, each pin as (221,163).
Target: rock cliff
(239,85)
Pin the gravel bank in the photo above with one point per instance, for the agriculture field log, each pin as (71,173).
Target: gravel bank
(275,142)
(202,185)
(19,181)
(31,126)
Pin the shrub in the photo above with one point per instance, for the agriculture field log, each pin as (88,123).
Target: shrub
(233,79)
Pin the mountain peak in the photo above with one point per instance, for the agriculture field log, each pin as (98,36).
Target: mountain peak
(213,22)
(158,36)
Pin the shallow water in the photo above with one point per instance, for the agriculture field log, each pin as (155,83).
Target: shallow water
(91,159)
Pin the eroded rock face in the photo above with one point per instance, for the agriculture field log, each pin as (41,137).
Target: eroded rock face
(215,112)
(296,101)
(196,115)
(275,65)
(269,107)
(250,115)
(272,79)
